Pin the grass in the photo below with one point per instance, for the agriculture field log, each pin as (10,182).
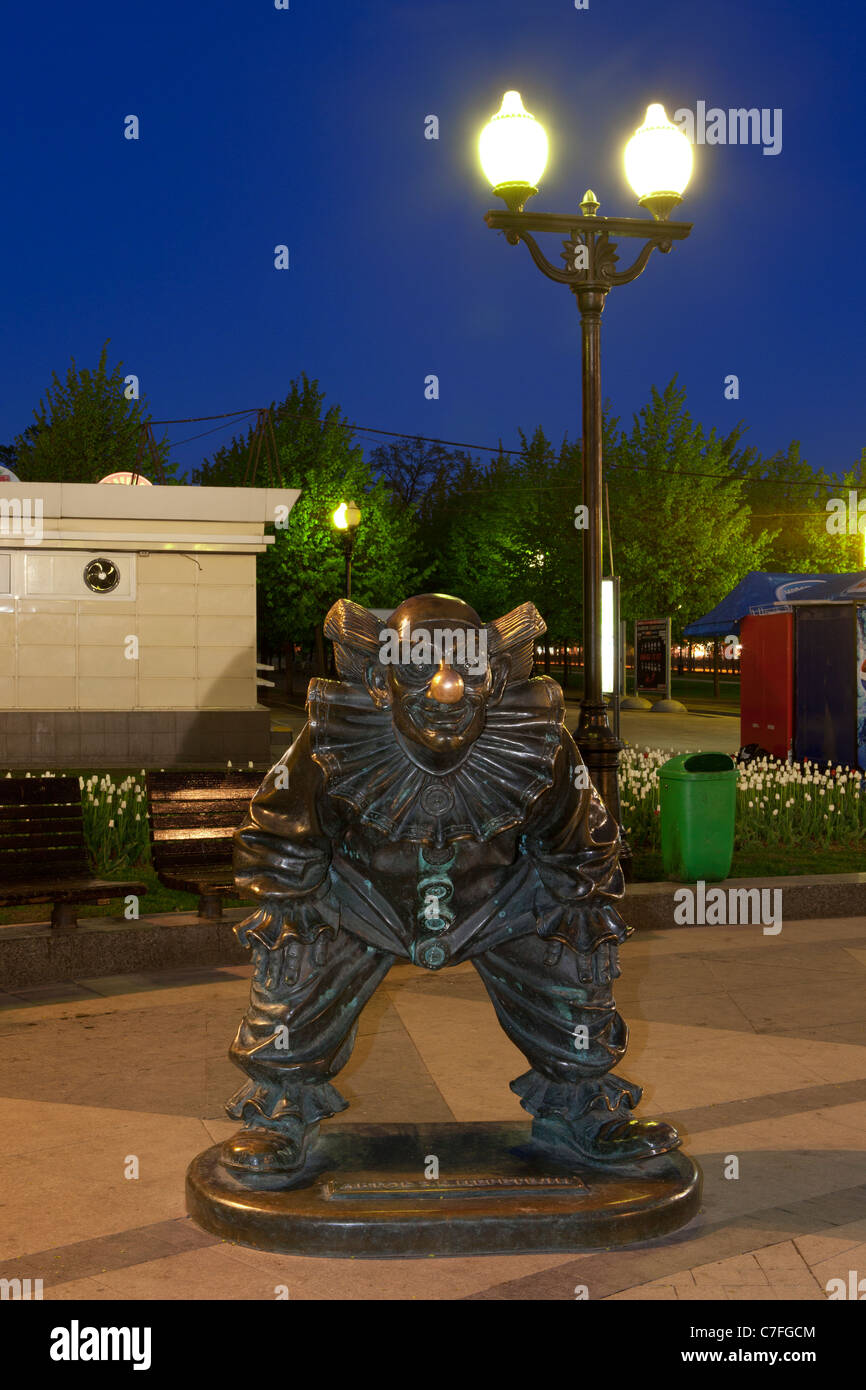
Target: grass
(764,861)
(158,899)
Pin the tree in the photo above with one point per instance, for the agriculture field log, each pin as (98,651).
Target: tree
(302,573)
(85,427)
(787,493)
(681,521)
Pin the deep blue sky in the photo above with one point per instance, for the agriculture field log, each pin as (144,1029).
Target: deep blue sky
(306,127)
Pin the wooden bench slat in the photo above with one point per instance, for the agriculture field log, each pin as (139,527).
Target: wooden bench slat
(72,891)
(33,873)
(41,841)
(73,850)
(194,864)
(200,883)
(193,818)
(39,791)
(13,815)
(209,812)
(191,831)
(210,845)
(205,797)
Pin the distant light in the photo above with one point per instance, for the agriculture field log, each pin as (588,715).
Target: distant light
(127,479)
(347,516)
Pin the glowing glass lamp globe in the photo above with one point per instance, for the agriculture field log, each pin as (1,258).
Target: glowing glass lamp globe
(513,151)
(658,163)
(347,516)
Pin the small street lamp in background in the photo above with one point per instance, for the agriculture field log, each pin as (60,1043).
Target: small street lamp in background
(347,518)
(513,151)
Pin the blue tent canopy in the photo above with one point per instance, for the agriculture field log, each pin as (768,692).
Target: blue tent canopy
(762,592)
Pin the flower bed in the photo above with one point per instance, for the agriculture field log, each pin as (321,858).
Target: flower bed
(778,803)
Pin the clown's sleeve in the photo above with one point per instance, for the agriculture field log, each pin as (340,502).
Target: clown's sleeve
(575,846)
(282,855)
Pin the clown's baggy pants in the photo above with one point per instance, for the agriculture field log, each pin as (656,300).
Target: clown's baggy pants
(555,1005)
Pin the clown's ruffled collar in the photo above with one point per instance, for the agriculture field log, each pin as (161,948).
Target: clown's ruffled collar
(508,767)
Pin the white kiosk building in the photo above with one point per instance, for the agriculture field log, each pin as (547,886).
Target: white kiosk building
(128,624)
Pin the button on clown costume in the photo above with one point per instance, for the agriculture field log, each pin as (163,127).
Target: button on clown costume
(435,810)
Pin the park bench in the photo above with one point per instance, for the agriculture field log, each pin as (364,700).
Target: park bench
(193,817)
(43,854)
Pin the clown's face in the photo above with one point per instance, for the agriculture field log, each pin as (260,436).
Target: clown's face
(421,715)
(438,691)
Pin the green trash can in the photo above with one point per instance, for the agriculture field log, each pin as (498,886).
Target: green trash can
(697,804)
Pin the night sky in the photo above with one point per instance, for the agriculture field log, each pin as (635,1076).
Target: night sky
(261,126)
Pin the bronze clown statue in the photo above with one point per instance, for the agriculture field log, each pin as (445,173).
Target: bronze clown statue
(435,810)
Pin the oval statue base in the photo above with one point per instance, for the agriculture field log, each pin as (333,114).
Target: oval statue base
(364,1193)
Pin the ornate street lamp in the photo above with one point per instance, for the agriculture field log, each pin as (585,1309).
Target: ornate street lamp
(658,161)
(347,518)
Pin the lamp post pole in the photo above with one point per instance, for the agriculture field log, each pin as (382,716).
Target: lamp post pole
(347,519)
(348,547)
(599,747)
(590,258)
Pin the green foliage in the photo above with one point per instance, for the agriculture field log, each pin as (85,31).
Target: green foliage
(302,573)
(681,521)
(779,804)
(84,428)
(501,533)
(790,496)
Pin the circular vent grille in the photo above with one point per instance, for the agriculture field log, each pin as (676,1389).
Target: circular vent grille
(101,576)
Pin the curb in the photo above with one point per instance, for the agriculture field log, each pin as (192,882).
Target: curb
(650,906)
(35,954)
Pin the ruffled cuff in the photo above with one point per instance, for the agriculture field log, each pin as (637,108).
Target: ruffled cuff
(265,1105)
(280,920)
(583,926)
(542,1097)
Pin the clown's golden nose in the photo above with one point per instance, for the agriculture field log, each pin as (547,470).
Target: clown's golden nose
(447,686)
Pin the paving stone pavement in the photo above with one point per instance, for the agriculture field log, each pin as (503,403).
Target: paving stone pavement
(754,1046)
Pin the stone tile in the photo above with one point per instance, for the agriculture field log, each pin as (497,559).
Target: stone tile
(408,1280)
(61,1189)
(386,1079)
(835,1207)
(659,1293)
(737,1112)
(87,1258)
(740,1271)
(839,1266)
(831,1244)
(53,993)
(783,1263)
(811,1002)
(77,1290)
(688,1066)
(440,1029)
(782,1293)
